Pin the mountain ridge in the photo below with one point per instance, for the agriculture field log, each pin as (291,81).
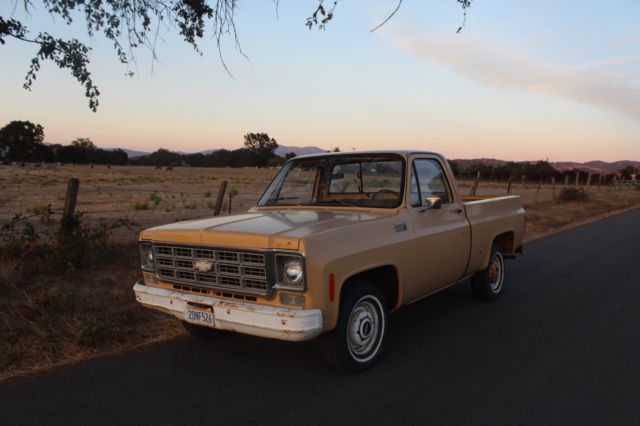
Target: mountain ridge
(593,166)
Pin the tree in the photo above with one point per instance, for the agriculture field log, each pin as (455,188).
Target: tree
(22,141)
(260,147)
(132,24)
(628,172)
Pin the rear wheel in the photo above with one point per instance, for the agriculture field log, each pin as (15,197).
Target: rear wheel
(357,342)
(204,332)
(488,284)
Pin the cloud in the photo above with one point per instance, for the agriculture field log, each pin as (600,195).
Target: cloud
(608,85)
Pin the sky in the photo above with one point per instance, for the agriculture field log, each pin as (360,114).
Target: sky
(526,80)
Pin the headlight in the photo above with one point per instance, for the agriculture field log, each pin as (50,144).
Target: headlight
(293,270)
(290,272)
(146,256)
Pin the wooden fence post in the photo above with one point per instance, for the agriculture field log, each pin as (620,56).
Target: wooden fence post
(71,199)
(538,186)
(553,188)
(577,178)
(474,188)
(589,180)
(70,202)
(509,185)
(566,180)
(220,198)
(523,177)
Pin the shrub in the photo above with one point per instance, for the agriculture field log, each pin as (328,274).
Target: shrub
(155,198)
(573,194)
(51,244)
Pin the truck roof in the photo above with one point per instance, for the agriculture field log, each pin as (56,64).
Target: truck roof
(403,152)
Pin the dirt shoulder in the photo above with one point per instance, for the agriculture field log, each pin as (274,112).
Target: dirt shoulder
(52,319)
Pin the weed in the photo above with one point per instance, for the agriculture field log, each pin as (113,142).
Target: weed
(155,198)
(207,194)
(211,205)
(191,206)
(141,206)
(91,333)
(573,194)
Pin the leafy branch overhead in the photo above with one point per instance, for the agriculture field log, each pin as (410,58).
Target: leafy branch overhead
(133,24)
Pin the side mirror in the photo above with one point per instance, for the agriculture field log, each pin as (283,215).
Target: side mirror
(431,203)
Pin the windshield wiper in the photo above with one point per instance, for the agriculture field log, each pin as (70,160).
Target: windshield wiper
(334,201)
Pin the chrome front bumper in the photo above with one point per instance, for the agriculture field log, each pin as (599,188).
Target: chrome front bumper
(242,317)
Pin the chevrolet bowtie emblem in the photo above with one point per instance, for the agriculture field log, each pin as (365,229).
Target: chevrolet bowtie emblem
(203,265)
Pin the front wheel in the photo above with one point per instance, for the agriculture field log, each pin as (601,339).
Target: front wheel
(488,284)
(363,323)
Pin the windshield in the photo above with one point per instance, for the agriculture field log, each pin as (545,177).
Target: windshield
(339,180)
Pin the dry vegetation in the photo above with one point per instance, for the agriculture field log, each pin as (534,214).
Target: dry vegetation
(50,318)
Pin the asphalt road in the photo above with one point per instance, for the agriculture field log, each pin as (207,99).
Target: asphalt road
(562,347)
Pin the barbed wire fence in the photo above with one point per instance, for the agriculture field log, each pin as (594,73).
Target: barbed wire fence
(141,206)
(145,203)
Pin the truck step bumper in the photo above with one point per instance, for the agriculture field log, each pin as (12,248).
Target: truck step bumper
(248,318)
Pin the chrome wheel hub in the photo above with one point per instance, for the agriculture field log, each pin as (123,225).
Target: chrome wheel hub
(496,272)
(363,328)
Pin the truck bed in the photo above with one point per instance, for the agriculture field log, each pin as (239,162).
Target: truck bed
(490,217)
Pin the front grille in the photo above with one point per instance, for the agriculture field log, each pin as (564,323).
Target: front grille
(212,267)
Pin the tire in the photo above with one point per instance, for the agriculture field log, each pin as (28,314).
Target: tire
(488,284)
(202,331)
(358,340)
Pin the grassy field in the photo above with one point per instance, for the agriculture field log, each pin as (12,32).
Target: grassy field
(49,318)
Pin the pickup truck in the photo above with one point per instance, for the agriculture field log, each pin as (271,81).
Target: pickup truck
(336,242)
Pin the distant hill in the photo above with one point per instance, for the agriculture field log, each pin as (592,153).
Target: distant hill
(599,167)
(298,150)
(464,164)
(281,151)
(132,153)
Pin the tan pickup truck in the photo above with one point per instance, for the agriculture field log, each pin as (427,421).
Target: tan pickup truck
(335,243)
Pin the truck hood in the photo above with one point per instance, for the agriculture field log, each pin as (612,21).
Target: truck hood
(282,229)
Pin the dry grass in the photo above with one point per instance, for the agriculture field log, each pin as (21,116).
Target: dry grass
(49,319)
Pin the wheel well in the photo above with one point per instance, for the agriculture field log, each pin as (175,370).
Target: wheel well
(383,277)
(505,241)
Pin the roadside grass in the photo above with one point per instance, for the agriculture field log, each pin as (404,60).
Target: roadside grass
(53,316)
(48,319)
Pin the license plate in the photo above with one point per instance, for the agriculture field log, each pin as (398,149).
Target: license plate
(201,315)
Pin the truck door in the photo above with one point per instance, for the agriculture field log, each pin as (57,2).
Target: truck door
(440,225)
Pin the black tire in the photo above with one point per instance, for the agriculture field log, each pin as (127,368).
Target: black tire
(358,340)
(201,331)
(488,284)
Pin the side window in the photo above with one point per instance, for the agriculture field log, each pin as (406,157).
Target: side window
(431,180)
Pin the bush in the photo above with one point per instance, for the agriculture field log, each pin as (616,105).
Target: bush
(155,198)
(41,242)
(141,206)
(573,194)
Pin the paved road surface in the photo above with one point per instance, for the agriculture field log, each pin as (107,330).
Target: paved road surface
(561,347)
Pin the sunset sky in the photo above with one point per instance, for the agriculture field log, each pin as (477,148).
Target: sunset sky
(526,80)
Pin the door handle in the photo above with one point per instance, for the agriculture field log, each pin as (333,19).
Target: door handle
(457,210)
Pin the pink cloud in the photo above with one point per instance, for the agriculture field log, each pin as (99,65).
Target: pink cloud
(607,85)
